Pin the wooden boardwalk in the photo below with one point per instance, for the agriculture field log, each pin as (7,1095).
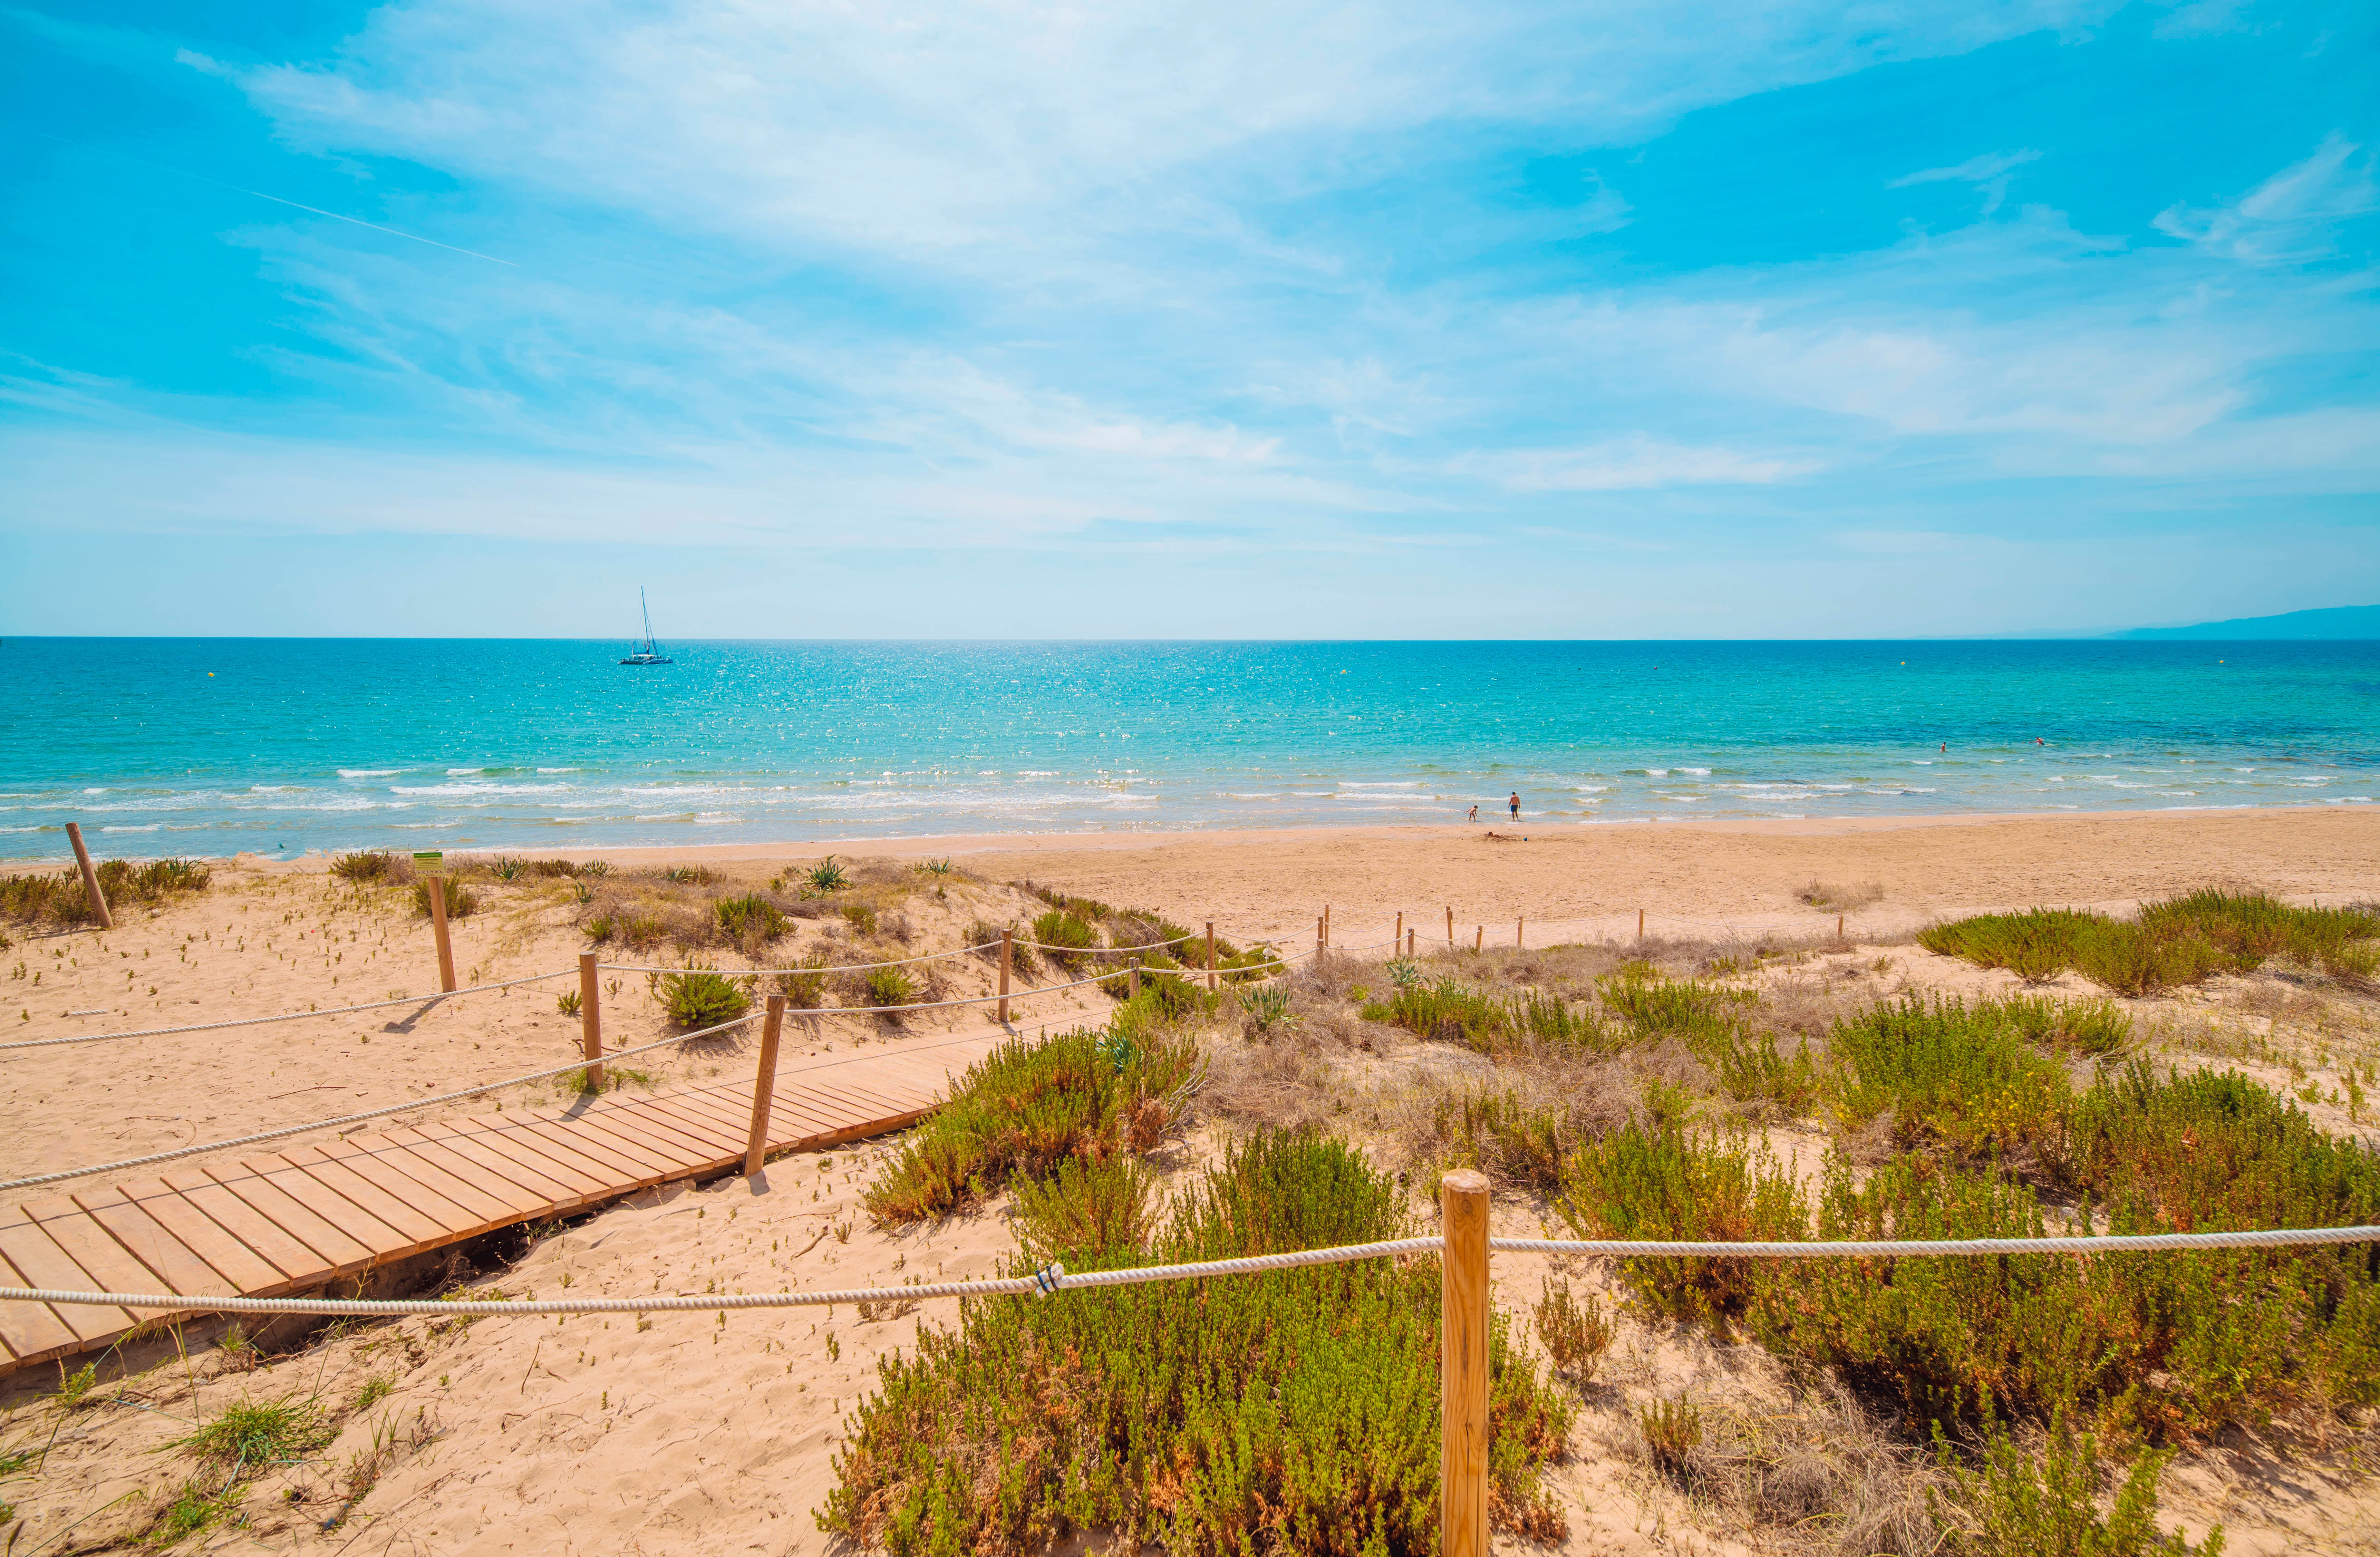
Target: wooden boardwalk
(292,1221)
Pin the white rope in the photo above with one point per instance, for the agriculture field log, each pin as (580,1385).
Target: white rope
(292,1017)
(2126,1243)
(1048,1280)
(371,1113)
(1055,1278)
(767,972)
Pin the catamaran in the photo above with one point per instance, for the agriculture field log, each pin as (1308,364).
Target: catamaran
(650,654)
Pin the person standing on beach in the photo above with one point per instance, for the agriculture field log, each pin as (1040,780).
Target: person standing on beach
(1475,813)
(1516,805)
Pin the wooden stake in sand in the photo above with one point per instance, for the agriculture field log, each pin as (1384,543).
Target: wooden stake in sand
(590,1022)
(1409,943)
(1399,938)
(1318,942)
(1479,939)
(438,930)
(1463,1363)
(1326,924)
(1640,924)
(1133,988)
(764,1085)
(1210,957)
(1838,927)
(1007,957)
(1520,929)
(90,879)
(1450,930)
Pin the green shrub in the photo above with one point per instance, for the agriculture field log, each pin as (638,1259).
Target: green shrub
(700,997)
(1266,1007)
(1026,1107)
(372,867)
(984,936)
(803,985)
(1953,1076)
(1653,1004)
(1087,1210)
(891,986)
(1289,1410)
(751,918)
(1575,1334)
(2179,940)
(460,899)
(691,875)
(826,876)
(1504,1137)
(1064,939)
(2016,1506)
(61,898)
(860,917)
(1673,1429)
(567,1002)
(506,867)
(1665,1181)
(258,1433)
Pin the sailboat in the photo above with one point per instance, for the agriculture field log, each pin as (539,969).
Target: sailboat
(650,654)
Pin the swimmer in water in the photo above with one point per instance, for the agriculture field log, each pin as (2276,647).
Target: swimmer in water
(1516,805)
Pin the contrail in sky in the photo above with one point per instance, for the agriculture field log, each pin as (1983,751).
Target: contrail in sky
(277,199)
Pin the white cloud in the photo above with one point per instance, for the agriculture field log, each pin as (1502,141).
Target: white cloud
(2291,216)
(1989,173)
(1633,463)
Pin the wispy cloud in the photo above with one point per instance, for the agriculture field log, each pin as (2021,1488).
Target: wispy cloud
(2292,215)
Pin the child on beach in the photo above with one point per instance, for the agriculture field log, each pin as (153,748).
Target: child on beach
(1475,813)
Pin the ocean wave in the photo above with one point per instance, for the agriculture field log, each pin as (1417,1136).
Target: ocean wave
(369,772)
(127,827)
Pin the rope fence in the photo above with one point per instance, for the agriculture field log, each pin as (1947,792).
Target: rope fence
(287,1016)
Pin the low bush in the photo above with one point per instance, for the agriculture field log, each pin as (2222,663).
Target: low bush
(984,936)
(1504,1136)
(702,997)
(1087,1211)
(691,875)
(1945,1074)
(751,919)
(460,899)
(61,899)
(2179,940)
(1026,1107)
(1664,1180)
(1064,939)
(860,917)
(803,984)
(2013,1505)
(374,867)
(1289,1410)
(825,876)
(1673,1429)
(1574,1334)
(891,986)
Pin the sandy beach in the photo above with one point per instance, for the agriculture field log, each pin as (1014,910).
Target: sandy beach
(688,1434)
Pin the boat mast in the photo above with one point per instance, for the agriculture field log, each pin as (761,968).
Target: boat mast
(649,619)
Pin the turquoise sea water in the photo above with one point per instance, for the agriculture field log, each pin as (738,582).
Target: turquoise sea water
(211,746)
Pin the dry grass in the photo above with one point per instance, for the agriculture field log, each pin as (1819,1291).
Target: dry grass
(1838,897)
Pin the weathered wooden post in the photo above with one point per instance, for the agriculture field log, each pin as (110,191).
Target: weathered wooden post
(1210,957)
(90,877)
(1007,960)
(1520,929)
(436,883)
(1409,942)
(1398,940)
(590,1021)
(1326,924)
(1318,942)
(1462,1377)
(1132,988)
(764,1085)
(1450,930)
(1640,924)
(1479,939)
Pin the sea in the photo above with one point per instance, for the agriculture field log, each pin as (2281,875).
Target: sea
(282,745)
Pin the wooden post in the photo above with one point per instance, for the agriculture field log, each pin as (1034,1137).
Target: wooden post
(1450,930)
(764,1083)
(1838,927)
(1210,957)
(1462,1362)
(590,1022)
(1318,942)
(1398,940)
(1640,924)
(90,877)
(438,928)
(1007,955)
(1409,943)
(1132,989)
(1479,938)
(1520,931)
(1326,924)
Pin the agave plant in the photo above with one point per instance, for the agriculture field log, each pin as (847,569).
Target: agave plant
(1268,1006)
(1405,973)
(826,876)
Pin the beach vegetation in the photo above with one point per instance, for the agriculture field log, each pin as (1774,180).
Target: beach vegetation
(374,867)
(691,876)
(826,876)
(1293,1410)
(1574,1333)
(567,1002)
(460,899)
(891,986)
(983,935)
(1065,939)
(60,898)
(2179,941)
(804,983)
(753,919)
(1266,1008)
(1028,1106)
(700,996)
(2016,1504)
(1816,894)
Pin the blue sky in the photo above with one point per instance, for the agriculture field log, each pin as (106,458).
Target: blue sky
(1278,319)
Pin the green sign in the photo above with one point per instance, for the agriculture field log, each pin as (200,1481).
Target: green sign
(428,857)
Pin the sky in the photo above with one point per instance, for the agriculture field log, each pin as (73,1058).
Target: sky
(1214,320)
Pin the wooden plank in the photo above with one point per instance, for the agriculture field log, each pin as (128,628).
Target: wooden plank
(257,1232)
(241,1267)
(799,1113)
(39,1262)
(413,1224)
(672,1153)
(180,1268)
(518,1196)
(532,1174)
(339,1252)
(692,1123)
(572,1184)
(446,1220)
(32,1331)
(664,1129)
(473,1199)
(106,1265)
(594,1147)
(360,1223)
